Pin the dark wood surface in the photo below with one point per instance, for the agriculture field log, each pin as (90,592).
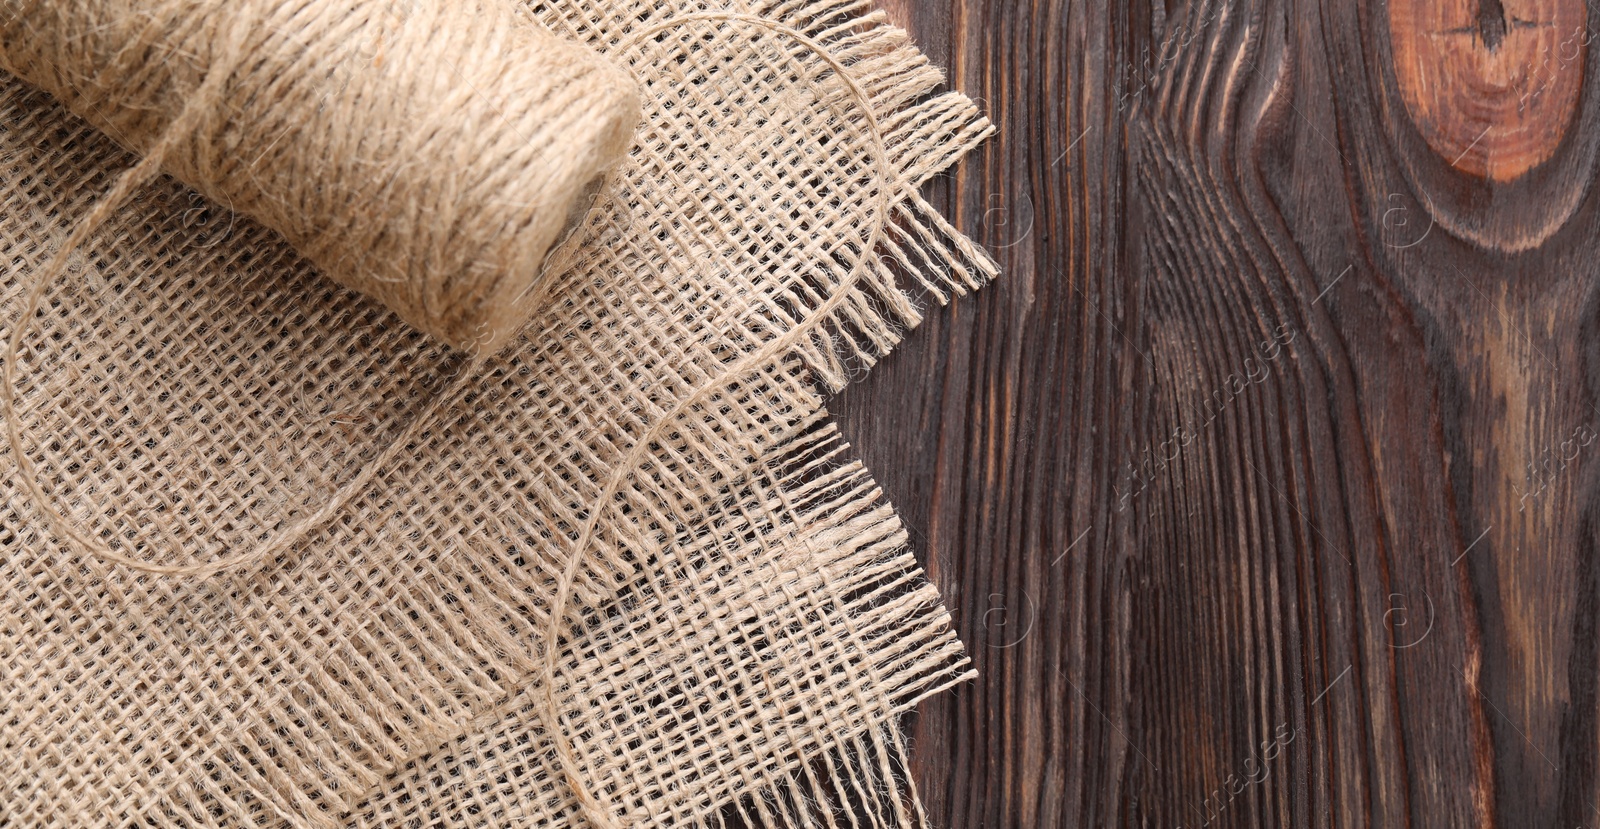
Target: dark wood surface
(1262,485)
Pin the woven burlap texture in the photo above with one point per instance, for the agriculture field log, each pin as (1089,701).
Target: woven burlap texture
(744,621)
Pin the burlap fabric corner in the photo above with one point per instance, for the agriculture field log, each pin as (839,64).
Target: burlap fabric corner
(746,622)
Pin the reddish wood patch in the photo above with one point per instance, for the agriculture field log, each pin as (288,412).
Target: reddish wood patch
(1491,85)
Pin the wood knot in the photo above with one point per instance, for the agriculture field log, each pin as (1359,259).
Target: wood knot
(1492,85)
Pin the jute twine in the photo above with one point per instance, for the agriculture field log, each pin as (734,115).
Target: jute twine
(596,812)
(427,153)
(621,575)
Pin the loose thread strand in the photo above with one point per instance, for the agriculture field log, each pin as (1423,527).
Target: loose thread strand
(596,813)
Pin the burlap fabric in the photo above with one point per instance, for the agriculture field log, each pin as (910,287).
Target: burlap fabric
(648,475)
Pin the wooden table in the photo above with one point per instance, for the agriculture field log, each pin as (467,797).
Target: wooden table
(1263,483)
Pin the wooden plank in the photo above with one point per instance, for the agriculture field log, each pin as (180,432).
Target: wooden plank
(1262,484)
(1008,408)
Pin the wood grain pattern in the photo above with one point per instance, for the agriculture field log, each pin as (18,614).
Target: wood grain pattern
(1492,87)
(1264,483)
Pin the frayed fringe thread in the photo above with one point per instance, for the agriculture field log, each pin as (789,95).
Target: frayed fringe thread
(921,140)
(756,675)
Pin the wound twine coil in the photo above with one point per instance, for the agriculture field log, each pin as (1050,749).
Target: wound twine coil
(427,153)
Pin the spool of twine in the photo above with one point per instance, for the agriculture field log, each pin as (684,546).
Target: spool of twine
(428,153)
